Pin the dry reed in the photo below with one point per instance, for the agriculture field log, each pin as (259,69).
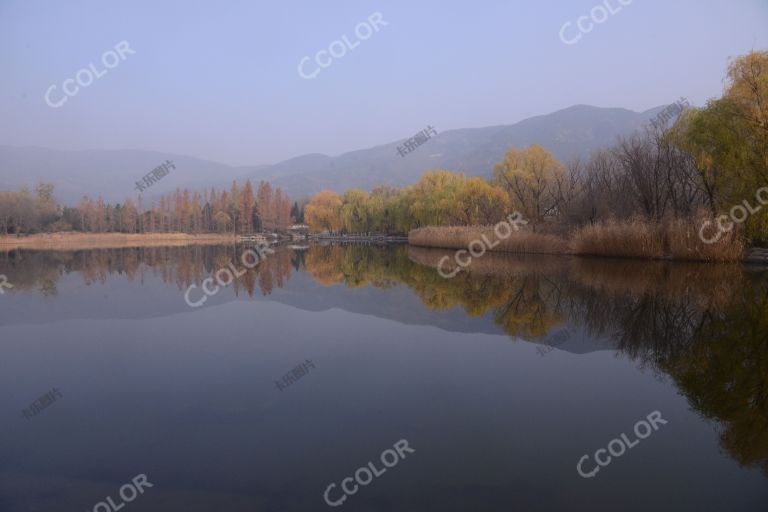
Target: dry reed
(77,241)
(676,239)
(633,238)
(684,243)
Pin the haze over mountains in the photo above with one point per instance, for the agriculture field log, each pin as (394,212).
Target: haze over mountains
(111,174)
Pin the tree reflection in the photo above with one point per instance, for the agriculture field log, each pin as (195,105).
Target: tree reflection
(705,326)
(182,266)
(724,373)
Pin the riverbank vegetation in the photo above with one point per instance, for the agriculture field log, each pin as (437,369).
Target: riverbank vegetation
(238,209)
(650,195)
(631,238)
(70,241)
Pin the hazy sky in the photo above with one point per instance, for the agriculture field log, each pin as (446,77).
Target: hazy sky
(219,79)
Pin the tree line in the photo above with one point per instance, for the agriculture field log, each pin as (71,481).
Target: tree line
(702,163)
(238,209)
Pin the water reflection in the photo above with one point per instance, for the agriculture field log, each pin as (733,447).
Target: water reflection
(704,326)
(182,266)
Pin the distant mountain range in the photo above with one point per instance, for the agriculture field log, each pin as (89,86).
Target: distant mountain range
(574,131)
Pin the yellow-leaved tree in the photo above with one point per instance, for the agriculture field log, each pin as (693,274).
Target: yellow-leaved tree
(531,177)
(729,140)
(323,212)
(355,211)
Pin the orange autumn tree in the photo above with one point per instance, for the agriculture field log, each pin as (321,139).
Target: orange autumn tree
(323,212)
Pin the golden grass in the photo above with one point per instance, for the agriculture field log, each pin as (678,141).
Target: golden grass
(459,237)
(684,243)
(628,239)
(77,241)
(676,239)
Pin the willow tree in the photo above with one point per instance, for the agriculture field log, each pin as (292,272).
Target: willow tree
(433,196)
(530,177)
(323,212)
(729,140)
(491,203)
(477,202)
(355,211)
(383,208)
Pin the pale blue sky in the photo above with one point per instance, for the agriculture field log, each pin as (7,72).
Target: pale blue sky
(219,79)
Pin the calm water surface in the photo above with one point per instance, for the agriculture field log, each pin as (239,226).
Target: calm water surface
(318,360)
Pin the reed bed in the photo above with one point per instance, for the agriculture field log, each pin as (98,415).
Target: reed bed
(77,241)
(676,239)
(620,239)
(684,243)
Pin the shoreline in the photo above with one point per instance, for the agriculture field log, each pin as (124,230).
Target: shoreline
(752,256)
(462,237)
(78,241)
(81,241)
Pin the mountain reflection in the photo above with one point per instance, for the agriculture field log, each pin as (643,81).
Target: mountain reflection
(704,326)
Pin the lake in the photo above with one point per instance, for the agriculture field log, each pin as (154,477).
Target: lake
(528,383)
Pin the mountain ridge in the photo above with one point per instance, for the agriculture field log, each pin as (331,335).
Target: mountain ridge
(567,133)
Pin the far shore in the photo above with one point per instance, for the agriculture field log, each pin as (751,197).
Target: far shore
(624,242)
(436,238)
(77,241)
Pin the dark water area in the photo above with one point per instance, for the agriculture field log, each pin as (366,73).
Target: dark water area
(528,383)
